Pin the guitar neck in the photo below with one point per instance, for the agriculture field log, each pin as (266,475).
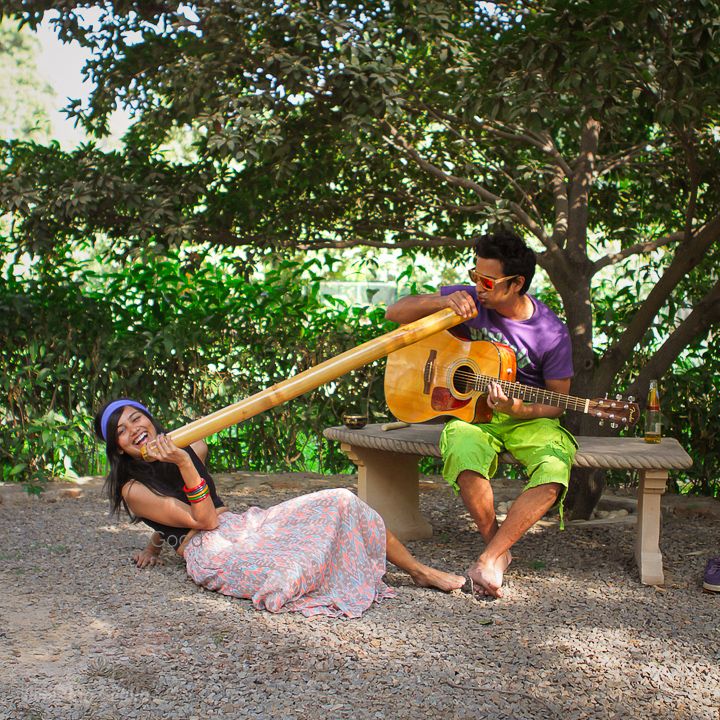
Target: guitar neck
(528,393)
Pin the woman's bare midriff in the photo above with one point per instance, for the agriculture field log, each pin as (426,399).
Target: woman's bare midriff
(181,547)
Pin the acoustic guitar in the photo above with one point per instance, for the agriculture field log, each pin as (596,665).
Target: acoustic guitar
(443,375)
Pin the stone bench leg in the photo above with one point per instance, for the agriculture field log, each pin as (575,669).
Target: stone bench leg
(389,483)
(647,542)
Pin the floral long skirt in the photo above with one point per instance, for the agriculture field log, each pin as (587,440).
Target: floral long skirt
(318,554)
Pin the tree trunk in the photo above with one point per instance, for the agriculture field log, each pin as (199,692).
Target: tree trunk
(586,488)
(586,485)
(571,272)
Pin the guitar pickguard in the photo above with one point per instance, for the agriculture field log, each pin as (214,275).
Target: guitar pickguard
(443,401)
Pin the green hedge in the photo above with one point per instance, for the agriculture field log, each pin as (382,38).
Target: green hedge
(184,336)
(189,335)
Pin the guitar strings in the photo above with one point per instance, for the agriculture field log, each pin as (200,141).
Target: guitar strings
(481,382)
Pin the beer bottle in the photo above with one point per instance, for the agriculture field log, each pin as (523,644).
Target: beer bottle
(653,419)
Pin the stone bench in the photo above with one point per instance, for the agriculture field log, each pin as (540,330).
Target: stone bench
(388,478)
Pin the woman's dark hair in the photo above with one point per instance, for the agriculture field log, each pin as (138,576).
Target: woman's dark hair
(507,247)
(122,467)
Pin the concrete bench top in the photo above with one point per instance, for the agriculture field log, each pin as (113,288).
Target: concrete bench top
(595,452)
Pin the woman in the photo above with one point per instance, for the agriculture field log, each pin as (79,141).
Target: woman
(322,553)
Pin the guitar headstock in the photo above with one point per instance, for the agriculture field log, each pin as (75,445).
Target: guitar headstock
(619,411)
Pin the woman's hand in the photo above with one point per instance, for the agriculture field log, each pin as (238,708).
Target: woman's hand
(165,450)
(146,558)
(151,554)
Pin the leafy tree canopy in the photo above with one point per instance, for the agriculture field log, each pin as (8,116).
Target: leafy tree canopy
(592,125)
(401,124)
(396,124)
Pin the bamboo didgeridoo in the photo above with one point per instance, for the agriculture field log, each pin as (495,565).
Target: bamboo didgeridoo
(314,377)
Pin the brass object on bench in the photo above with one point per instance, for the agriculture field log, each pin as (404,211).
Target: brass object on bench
(388,478)
(355,422)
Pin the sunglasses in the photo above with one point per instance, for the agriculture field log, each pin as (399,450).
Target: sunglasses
(486,281)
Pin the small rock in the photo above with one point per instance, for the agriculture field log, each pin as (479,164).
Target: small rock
(74,492)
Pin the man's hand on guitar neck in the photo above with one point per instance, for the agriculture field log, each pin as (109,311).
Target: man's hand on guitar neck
(498,401)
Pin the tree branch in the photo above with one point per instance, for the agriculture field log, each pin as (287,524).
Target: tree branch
(562,209)
(638,248)
(541,141)
(581,180)
(694,173)
(704,315)
(449,121)
(612,162)
(488,198)
(688,255)
(430,241)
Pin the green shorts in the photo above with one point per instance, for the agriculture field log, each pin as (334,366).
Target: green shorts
(542,446)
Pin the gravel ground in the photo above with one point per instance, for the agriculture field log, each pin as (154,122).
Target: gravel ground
(84,634)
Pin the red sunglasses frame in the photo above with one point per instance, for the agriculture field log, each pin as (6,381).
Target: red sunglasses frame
(485,280)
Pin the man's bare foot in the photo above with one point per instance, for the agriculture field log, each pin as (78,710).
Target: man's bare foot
(426,576)
(487,575)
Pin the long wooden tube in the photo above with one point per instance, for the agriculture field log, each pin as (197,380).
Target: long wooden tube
(315,376)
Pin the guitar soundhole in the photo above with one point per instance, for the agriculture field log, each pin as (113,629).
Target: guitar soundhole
(463,380)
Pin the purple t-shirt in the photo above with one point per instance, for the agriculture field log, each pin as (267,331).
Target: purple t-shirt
(541,343)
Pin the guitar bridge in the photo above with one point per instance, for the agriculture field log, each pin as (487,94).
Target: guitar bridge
(429,372)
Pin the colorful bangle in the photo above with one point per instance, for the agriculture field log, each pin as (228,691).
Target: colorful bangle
(200,498)
(186,489)
(198,493)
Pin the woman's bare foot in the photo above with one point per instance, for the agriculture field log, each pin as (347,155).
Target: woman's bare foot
(487,575)
(426,576)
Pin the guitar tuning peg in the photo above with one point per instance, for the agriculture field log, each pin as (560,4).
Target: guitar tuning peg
(601,423)
(613,425)
(618,397)
(606,396)
(631,398)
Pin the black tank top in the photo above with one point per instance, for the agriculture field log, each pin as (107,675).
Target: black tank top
(174,536)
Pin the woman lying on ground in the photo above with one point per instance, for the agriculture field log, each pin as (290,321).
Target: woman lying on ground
(322,553)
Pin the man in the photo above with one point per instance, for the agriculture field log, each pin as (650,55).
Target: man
(504,267)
